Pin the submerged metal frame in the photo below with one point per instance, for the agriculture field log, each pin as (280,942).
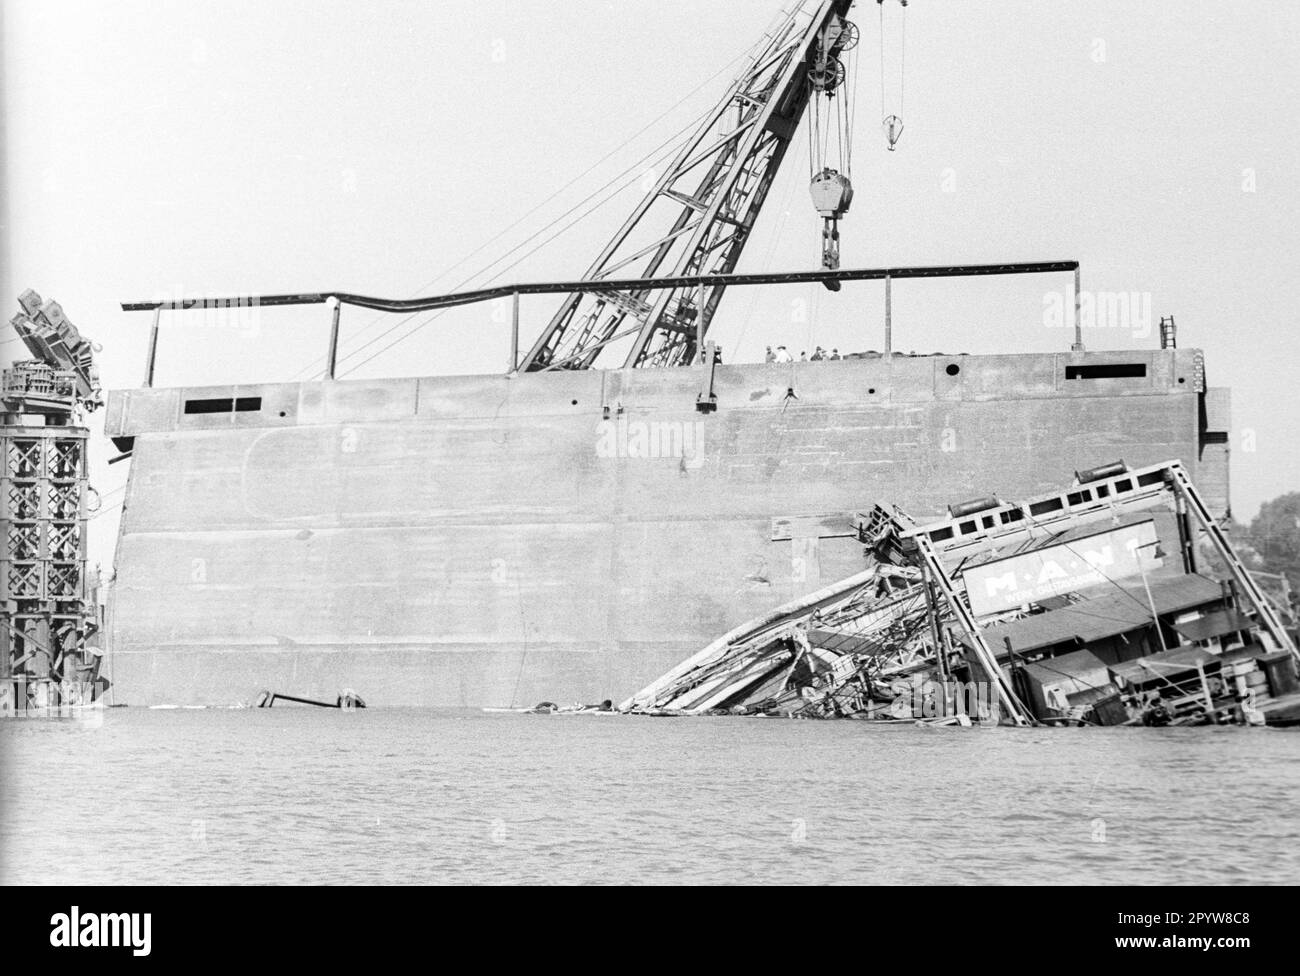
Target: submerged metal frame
(951,540)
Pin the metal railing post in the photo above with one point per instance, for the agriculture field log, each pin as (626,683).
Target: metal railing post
(153,348)
(889,315)
(1078,324)
(514,332)
(331,361)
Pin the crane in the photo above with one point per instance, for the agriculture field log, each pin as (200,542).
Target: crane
(51,626)
(700,212)
(62,378)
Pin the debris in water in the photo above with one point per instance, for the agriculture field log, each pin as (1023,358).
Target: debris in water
(1058,610)
(551,708)
(347,700)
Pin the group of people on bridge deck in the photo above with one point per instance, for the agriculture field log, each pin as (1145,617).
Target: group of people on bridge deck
(782,355)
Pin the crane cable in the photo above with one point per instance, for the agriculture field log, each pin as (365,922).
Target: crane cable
(881,8)
(748,52)
(892,123)
(853,109)
(902,58)
(640,162)
(669,145)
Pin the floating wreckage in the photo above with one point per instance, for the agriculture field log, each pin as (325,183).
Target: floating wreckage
(1091,605)
(551,708)
(347,700)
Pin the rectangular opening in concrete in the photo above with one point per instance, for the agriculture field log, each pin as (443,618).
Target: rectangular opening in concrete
(212,405)
(1106,371)
(224,405)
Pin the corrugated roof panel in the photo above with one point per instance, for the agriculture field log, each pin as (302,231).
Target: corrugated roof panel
(1123,609)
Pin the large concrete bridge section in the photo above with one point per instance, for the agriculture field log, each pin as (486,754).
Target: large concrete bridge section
(570,535)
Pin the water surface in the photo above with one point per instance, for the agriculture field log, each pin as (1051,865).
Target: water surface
(302,795)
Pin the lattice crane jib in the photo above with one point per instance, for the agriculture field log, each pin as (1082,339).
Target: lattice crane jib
(700,212)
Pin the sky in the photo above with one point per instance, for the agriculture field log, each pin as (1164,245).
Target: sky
(153,149)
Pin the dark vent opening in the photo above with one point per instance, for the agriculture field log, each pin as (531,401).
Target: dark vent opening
(218,405)
(1106,371)
(248,403)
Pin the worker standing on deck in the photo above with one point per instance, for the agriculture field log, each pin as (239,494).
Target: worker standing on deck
(770,357)
(782,355)
(835,354)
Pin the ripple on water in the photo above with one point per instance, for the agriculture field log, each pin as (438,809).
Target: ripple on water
(411,795)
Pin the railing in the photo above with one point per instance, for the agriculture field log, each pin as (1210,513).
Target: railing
(409,305)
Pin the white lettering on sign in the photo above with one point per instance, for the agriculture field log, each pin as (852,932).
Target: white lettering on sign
(1004,584)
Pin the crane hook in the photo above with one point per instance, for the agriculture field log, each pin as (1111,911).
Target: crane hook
(893,127)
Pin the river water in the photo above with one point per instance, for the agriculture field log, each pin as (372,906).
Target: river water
(301,795)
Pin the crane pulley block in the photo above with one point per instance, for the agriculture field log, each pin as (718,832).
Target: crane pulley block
(832,192)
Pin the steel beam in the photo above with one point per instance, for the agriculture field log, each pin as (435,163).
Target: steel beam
(453,299)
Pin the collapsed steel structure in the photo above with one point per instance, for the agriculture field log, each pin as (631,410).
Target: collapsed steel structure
(854,648)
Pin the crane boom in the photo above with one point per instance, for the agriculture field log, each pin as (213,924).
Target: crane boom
(698,216)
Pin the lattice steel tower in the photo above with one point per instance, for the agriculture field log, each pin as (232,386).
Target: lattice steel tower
(49,611)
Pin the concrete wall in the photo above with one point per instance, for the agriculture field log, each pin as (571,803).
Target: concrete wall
(482,540)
